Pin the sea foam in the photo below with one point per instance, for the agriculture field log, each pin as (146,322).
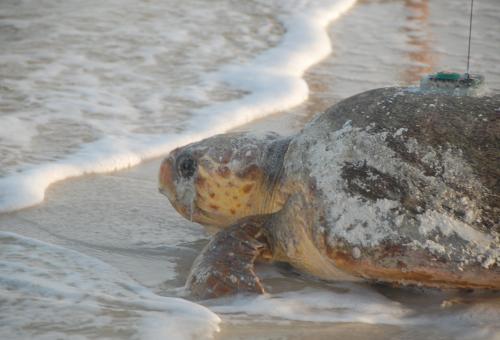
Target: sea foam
(68,295)
(358,304)
(271,82)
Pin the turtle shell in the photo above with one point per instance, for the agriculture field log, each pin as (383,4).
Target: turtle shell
(394,173)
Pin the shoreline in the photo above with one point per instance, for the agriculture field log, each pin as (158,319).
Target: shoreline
(355,65)
(76,211)
(120,218)
(272,81)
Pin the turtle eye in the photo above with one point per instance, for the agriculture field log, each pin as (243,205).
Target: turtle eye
(186,167)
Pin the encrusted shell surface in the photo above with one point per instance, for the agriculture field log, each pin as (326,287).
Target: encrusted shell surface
(395,167)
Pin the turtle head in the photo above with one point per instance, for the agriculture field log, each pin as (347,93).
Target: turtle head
(219,180)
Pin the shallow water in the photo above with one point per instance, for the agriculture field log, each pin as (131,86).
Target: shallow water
(105,87)
(53,292)
(73,73)
(138,251)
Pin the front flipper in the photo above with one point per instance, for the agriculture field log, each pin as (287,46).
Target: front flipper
(226,264)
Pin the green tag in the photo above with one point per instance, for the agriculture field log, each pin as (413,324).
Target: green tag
(447,76)
(452,83)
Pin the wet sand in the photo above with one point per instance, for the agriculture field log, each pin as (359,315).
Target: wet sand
(100,215)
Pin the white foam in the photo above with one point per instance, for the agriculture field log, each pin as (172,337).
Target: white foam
(272,82)
(361,304)
(69,295)
(345,304)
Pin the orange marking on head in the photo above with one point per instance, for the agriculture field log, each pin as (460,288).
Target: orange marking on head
(166,173)
(251,173)
(246,188)
(213,206)
(232,211)
(200,181)
(223,171)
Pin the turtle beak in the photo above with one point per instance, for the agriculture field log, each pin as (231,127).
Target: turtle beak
(166,178)
(166,186)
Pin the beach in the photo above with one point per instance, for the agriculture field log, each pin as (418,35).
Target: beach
(136,247)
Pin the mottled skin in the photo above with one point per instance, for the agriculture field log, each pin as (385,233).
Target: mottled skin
(407,192)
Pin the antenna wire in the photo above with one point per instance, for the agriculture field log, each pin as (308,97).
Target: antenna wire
(470,34)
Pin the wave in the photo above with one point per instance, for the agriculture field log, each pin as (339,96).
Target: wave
(271,82)
(67,294)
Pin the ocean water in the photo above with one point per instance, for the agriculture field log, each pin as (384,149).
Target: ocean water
(91,87)
(97,86)
(50,292)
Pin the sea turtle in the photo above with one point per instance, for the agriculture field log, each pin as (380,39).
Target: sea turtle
(390,185)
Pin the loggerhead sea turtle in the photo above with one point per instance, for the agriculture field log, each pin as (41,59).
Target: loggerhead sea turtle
(390,185)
